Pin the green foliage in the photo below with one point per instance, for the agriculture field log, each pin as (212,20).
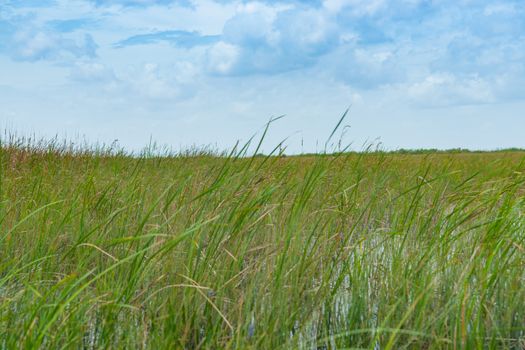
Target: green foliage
(371,250)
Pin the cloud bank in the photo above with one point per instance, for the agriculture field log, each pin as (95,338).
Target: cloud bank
(174,54)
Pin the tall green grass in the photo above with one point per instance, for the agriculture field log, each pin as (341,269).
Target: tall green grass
(101,249)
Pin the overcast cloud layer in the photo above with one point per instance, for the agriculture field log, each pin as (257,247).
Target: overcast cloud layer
(417,73)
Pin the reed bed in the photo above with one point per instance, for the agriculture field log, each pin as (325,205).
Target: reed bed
(198,250)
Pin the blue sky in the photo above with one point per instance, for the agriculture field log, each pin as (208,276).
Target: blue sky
(416,73)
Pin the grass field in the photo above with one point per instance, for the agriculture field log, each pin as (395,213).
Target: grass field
(373,250)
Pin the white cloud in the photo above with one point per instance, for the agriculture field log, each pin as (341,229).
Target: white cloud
(442,89)
(148,83)
(499,9)
(222,57)
(33,45)
(357,7)
(92,72)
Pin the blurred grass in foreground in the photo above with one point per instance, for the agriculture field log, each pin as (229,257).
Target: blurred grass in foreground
(100,249)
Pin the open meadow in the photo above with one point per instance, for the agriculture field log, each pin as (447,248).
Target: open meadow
(368,250)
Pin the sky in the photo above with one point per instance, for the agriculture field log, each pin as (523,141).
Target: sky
(414,73)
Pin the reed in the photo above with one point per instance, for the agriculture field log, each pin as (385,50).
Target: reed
(199,250)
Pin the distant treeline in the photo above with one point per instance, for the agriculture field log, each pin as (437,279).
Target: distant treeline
(453,150)
(417,151)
